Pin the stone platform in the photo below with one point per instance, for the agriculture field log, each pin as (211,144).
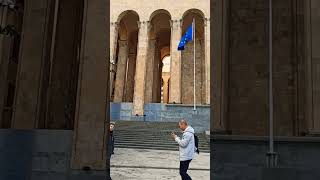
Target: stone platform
(138,164)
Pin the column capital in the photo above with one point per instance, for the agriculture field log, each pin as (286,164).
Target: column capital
(206,21)
(175,22)
(143,23)
(115,24)
(123,42)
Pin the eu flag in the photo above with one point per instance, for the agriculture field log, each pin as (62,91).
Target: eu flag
(186,38)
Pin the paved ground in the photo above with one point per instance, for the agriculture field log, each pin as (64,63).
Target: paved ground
(141,164)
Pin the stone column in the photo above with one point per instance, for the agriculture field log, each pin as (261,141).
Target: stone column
(140,75)
(64,67)
(219,66)
(207,60)
(130,77)
(121,71)
(160,81)
(150,71)
(165,88)
(89,144)
(35,45)
(313,66)
(175,65)
(114,27)
(5,44)
(156,77)
(3,16)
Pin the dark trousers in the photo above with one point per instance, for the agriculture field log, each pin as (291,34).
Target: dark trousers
(184,165)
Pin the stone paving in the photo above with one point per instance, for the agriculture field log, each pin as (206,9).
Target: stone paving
(142,164)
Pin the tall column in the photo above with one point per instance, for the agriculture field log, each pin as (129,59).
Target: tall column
(89,148)
(150,71)
(130,77)
(140,75)
(207,60)
(114,27)
(5,44)
(156,77)
(35,50)
(121,71)
(219,66)
(64,67)
(313,66)
(175,65)
(165,88)
(160,81)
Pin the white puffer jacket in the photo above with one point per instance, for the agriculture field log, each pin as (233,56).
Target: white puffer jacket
(186,144)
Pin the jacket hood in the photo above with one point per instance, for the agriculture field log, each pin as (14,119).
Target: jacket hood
(189,129)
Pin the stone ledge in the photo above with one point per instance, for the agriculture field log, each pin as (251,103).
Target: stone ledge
(188,105)
(264,138)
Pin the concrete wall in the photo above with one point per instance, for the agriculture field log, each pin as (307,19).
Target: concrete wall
(34,154)
(157,112)
(244,158)
(39,155)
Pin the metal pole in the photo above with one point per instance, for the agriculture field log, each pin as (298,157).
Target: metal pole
(272,156)
(194,64)
(271,143)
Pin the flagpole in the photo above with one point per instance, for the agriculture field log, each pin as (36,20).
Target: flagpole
(272,156)
(194,64)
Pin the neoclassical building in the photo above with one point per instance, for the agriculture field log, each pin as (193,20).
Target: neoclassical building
(143,36)
(55,88)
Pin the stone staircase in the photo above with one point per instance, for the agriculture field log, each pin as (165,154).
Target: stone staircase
(152,135)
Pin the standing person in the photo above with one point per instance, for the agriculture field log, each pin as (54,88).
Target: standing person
(111,139)
(186,147)
(110,150)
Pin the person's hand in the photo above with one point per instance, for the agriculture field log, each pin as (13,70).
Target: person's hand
(173,135)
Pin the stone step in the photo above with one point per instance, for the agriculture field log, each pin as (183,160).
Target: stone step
(156,147)
(155,144)
(153,141)
(151,135)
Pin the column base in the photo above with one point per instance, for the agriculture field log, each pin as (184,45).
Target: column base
(220,132)
(313,132)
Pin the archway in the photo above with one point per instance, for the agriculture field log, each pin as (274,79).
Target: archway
(187,63)
(159,47)
(125,58)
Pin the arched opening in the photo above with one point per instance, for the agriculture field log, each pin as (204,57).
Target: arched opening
(125,58)
(11,29)
(159,47)
(187,63)
(165,78)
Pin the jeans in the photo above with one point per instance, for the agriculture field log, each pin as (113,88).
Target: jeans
(184,165)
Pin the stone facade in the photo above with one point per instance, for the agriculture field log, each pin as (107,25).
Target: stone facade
(55,75)
(240,67)
(159,29)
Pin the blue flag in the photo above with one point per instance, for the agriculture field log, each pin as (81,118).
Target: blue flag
(186,38)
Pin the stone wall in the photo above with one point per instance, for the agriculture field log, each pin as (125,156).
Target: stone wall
(239,157)
(39,155)
(187,74)
(34,154)
(156,112)
(248,71)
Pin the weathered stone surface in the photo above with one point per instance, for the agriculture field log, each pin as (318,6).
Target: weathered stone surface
(34,50)
(239,157)
(91,112)
(121,72)
(140,75)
